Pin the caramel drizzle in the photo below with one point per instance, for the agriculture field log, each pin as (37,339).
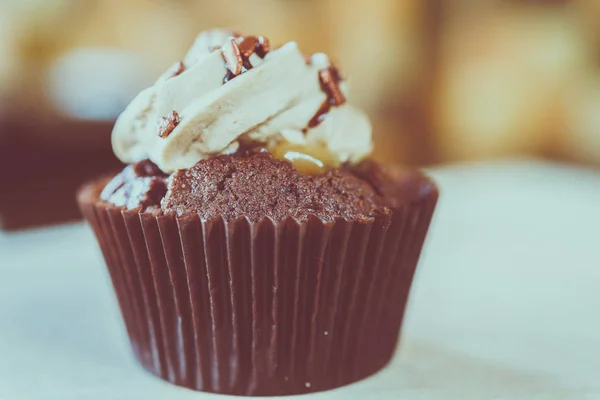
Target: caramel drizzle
(237,52)
(329,79)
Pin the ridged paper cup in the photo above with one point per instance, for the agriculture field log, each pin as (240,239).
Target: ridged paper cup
(261,308)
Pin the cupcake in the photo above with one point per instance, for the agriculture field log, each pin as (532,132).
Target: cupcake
(254,247)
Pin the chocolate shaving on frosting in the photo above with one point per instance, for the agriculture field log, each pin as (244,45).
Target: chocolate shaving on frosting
(330,84)
(330,79)
(167,124)
(263,46)
(237,52)
(248,46)
(233,57)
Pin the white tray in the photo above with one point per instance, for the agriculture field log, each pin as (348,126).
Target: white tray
(505,304)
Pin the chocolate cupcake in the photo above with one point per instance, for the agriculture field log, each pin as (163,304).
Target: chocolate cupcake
(253,246)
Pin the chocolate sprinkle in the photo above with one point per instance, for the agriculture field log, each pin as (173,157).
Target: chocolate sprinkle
(330,84)
(263,46)
(248,46)
(167,124)
(329,79)
(233,57)
(237,52)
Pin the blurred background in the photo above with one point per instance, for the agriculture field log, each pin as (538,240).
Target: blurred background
(443,81)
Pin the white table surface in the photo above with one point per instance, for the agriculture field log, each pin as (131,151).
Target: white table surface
(505,303)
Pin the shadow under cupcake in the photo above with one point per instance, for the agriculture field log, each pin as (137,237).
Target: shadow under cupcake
(253,247)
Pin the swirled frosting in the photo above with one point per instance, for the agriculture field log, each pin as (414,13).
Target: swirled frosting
(230,89)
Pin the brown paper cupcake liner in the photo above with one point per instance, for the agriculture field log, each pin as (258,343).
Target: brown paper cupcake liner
(265,308)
